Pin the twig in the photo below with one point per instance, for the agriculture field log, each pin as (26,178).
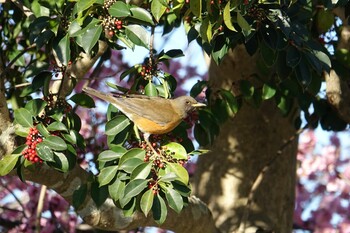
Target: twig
(151,42)
(14,196)
(261,175)
(39,208)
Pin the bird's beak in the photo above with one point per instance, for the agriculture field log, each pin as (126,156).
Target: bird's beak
(198,105)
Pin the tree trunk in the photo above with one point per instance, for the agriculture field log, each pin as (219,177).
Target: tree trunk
(246,144)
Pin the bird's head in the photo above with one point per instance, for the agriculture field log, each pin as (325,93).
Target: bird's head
(186,104)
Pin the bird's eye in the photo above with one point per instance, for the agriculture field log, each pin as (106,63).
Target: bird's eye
(187,102)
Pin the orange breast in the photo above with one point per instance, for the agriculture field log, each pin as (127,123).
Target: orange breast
(149,126)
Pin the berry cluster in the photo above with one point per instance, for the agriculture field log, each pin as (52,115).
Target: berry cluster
(57,103)
(147,71)
(152,184)
(108,3)
(33,139)
(111,25)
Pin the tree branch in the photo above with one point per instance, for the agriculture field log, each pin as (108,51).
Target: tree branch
(195,218)
(337,89)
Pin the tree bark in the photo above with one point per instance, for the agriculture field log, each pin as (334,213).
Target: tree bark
(245,145)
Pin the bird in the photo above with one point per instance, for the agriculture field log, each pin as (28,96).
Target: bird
(151,115)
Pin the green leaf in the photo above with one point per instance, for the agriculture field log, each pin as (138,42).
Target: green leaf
(79,196)
(44,152)
(83,100)
(324,20)
(138,35)
(172,53)
(116,189)
(57,126)
(150,89)
(23,117)
(159,209)
(61,162)
(55,143)
(268,92)
(198,88)
(242,22)
(74,27)
(130,164)
(99,194)
(117,125)
(119,9)
(110,155)
(8,163)
(142,15)
(174,199)
(62,50)
(246,88)
(133,153)
(171,176)
(158,9)
(196,8)
(180,171)
(180,151)
(142,171)
(107,174)
(43,130)
(293,56)
(35,106)
(227,17)
(83,5)
(303,73)
(89,39)
(206,30)
(147,201)
(135,187)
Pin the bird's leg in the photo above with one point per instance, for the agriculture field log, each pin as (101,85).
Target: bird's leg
(146,137)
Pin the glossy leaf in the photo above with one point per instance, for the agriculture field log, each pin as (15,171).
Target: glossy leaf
(159,209)
(227,17)
(44,152)
(106,175)
(119,9)
(178,149)
(23,117)
(180,171)
(138,35)
(8,163)
(196,8)
(151,89)
(35,106)
(110,155)
(171,176)
(79,196)
(147,202)
(130,164)
(83,100)
(293,56)
(242,22)
(268,92)
(89,39)
(57,126)
(62,50)
(133,153)
(116,125)
(98,194)
(61,162)
(172,53)
(141,15)
(142,171)
(116,189)
(246,88)
(55,143)
(135,187)
(158,9)
(174,199)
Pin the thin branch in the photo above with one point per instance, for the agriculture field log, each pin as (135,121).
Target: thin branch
(39,208)
(151,44)
(14,196)
(261,175)
(17,57)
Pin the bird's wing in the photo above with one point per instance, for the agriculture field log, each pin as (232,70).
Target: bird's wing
(153,109)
